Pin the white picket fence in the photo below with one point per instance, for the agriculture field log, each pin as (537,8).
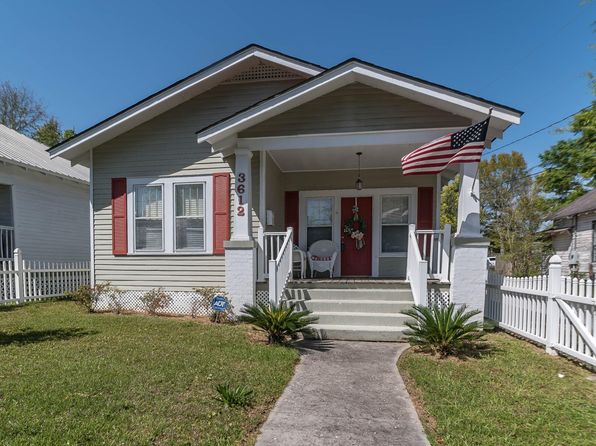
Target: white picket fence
(555,311)
(25,280)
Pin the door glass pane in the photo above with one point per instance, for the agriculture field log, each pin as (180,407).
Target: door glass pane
(317,233)
(148,218)
(394,238)
(394,210)
(190,213)
(319,211)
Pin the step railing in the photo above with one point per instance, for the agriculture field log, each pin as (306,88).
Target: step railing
(272,243)
(435,248)
(417,269)
(280,268)
(6,242)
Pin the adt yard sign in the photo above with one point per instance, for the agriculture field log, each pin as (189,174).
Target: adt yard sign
(219,303)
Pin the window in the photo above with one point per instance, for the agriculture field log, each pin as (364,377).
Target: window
(170,215)
(319,219)
(394,223)
(190,217)
(148,218)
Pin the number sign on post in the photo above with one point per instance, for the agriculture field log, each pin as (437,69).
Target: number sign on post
(240,190)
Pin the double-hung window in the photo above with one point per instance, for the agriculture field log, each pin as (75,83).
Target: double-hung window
(319,219)
(170,215)
(394,224)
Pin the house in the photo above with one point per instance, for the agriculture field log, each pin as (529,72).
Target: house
(44,203)
(212,180)
(573,235)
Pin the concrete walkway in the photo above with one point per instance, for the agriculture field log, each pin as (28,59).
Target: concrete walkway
(345,393)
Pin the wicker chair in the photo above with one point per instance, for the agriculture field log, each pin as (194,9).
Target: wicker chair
(321,257)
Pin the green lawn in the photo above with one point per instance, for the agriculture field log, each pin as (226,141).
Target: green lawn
(514,396)
(69,377)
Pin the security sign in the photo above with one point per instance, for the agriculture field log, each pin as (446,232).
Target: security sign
(219,303)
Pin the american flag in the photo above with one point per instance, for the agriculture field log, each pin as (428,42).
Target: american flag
(465,146)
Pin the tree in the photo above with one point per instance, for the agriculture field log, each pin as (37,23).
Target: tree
(51,134)
(449,199)
(19,109)
(570,165)
(512,211)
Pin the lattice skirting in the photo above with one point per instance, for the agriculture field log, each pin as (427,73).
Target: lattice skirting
(262,297)
(437,296)
(182,303)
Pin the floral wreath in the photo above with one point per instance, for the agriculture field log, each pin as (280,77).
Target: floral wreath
(355,227)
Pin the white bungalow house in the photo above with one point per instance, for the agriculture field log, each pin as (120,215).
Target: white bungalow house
(44,207)
(227,176)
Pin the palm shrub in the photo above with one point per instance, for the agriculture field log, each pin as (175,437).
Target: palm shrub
(240,396)
(442,330)
(278,321)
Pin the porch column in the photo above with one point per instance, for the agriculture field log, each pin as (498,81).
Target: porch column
(470,248)
(240,249)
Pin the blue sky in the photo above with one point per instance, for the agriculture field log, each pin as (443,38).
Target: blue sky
(87,60)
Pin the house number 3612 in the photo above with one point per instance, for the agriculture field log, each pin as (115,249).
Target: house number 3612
(240,189)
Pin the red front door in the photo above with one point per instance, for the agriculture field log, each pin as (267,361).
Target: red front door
(354,261)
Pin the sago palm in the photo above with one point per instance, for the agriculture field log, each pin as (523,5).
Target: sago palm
(442,330)
(278,321)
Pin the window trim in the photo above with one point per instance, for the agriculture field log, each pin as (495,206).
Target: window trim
(135,218)
(175,217)
(410,218)
(331,225)
(169,214)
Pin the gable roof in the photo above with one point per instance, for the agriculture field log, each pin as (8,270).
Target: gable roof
(175,94)
(356,70)
(21,150)
(585,203)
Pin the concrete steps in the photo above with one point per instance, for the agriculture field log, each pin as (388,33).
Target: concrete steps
(358,314)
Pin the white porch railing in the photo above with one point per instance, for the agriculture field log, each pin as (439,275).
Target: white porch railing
(272,243)
(6,242)
(280,267)
(22,280)
(557,312)
(435,248)
(417,269)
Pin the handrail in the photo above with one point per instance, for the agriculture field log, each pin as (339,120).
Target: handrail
(435,246)
(280,268)
(416,269)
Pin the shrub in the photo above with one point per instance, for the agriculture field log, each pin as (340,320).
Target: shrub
(442,330)
(203,302)
(278,321)
(155,300)
(234,396)
(88,296)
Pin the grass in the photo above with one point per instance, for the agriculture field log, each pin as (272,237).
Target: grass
(512,396)
(69,377)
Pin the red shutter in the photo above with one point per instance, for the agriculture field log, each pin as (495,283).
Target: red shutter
(292,214)
(221,211)
(119,239)
(425,208)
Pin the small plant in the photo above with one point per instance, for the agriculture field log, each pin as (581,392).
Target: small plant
(115,299)
(203,303)
(155,300)
(278,321)
(240,396)
(442,330)
(88,297)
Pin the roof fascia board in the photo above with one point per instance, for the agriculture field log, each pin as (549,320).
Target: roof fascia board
(26,167)
(200,77)
(335,78)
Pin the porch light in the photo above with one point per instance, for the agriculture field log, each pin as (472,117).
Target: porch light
(359,183)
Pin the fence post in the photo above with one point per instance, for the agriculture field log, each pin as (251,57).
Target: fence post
(552,313)
(19,275)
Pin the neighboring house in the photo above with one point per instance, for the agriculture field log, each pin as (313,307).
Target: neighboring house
(277,142)
(44,203)
(574,234)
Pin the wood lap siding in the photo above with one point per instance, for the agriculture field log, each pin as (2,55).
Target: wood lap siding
(166,146)
(355,107)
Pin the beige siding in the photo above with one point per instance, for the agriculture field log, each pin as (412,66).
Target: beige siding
(166,146)
(579,240)
(356,107)
(274,194)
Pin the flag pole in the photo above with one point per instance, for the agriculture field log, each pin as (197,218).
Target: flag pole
(490,112)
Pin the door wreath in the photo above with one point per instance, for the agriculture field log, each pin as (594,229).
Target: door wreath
(355,226)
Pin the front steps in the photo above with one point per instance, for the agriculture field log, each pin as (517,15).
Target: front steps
(354,311)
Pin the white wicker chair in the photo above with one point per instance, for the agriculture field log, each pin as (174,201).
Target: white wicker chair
(299,261)
(321,257)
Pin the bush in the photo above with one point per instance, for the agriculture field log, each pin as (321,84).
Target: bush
(88,296)
(203,302)
(442,330)
(155,300)
(234,396)
(278,321)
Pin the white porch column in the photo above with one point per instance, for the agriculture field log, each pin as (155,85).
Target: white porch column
(240,249)
(470,248)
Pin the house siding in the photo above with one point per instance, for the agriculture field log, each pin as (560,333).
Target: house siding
(164,147)
(579,240)
(50,215)
(356,107)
